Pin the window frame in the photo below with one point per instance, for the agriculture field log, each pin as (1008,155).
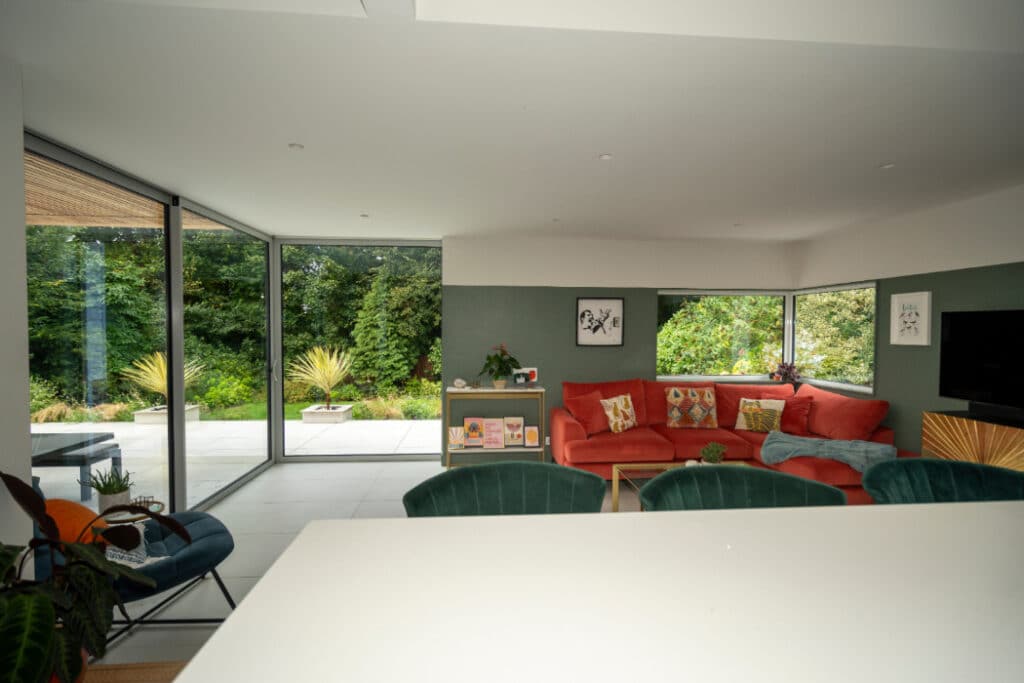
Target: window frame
(789,334)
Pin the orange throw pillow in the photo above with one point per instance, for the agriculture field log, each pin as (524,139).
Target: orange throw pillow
(71,518)
(842,417)
(794,417)
(589,412)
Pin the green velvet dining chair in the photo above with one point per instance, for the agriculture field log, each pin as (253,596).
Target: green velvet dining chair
(506,488)
(932,480)
(719,487)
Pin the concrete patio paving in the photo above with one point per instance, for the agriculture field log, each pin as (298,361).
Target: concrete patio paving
(220,451)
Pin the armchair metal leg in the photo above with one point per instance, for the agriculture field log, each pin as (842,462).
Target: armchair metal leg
(144,620)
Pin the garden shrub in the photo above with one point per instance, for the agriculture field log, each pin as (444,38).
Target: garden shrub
(360,411)
(228,391)
(418,387)
(42,393)
(296,392)
(421,408)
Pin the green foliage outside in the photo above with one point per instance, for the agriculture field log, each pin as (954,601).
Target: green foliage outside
(835,336)
(382,305)
(719,335)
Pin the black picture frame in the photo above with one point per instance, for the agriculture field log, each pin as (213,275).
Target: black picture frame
(599,321)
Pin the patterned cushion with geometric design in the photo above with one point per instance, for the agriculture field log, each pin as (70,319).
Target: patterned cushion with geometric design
(760,415)
(620,412)
(691,408)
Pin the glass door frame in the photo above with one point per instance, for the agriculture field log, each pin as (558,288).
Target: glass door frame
(173,271)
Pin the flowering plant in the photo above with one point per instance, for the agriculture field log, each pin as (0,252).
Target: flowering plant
(500,363)
(786,372)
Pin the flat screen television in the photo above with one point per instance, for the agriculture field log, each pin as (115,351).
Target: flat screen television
(982,357)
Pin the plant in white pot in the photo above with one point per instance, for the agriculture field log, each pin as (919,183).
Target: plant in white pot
(149,373)
(713,453)
(113,487)
(324,368)
(499,365)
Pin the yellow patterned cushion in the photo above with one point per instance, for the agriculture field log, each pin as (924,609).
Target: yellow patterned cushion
(691,408)
(619,410)
(760,415)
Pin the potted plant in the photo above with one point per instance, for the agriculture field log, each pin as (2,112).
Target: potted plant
(713,453)
(149,373)
(499,365)
(112,486)
(786,372)
(49,628)
(324,368)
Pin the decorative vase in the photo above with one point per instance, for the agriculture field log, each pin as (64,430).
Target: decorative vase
(108,500)
(500,383)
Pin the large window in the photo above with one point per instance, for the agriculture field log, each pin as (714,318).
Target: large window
(835,336)
(714,334)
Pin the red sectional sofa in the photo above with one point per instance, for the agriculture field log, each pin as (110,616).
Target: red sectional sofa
(580,436)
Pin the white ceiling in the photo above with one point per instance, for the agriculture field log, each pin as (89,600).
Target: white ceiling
(449,125)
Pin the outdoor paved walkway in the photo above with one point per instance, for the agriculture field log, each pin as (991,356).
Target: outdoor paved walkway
(220,451)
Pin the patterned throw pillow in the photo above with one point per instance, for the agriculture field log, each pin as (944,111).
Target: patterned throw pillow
(760,415)
(619,410)
(690,408)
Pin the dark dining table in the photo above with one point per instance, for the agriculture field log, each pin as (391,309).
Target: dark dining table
(76,449)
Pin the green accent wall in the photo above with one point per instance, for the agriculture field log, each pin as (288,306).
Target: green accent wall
(908,376)
(538,326)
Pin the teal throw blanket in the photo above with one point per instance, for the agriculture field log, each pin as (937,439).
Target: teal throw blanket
(857,454)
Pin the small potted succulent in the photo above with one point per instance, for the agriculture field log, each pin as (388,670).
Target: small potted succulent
(113,486)
(713,453)
(786,372)
(499,365)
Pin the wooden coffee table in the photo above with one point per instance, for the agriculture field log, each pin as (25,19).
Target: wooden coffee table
(636,474)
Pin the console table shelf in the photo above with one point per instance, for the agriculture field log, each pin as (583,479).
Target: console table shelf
(491,394)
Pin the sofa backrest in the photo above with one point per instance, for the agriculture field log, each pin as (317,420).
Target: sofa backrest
(728,395)
(657,405)
(633,387)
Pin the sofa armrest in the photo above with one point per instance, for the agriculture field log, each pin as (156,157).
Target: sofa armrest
(564,428)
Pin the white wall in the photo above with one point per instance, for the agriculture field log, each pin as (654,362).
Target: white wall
(569,262)
(14,420)
(980,231)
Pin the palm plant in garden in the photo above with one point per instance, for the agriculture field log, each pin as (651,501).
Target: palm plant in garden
(321,367)
(150,373)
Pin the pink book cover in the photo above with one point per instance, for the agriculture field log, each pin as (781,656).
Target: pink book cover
(494,432)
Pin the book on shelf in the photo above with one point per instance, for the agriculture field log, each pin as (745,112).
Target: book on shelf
(513,431)
(531,435)
(494,432)
(474,429)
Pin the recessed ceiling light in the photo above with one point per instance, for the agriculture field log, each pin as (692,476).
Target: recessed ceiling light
(886,167)
(737,225)
(604,157)
(364,215)
(296,146)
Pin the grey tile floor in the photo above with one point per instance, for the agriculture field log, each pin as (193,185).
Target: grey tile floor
(264,517)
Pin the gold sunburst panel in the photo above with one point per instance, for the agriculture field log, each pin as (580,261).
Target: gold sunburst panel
(961,438)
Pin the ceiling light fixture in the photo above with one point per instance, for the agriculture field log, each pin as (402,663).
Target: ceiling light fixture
(296,146)
(364,215)
(604,157)
(886,167)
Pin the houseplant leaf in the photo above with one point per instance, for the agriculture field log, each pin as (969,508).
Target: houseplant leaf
(26,638)
(32,503)
(8,561)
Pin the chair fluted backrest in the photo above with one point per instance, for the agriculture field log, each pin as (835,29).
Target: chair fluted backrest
(717,487)
(931,480)
(506,488)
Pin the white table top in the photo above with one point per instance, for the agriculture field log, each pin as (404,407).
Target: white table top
(926,593)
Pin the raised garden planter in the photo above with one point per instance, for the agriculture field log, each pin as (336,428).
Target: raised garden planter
(158,415)
(321,414)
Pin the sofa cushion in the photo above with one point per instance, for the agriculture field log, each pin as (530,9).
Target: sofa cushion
(827,471)
(727,398)
(620,413)
(654,395)
(760,414)
(691,408)
(841,417)
(589,412)
(796,414)
(688,442)
(641,444)
(633,387)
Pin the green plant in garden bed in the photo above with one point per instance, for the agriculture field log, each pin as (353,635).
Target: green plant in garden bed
(110,481)
(150,373)
(321,367)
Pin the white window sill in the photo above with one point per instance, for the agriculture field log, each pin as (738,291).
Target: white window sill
(722,379)
(841,386)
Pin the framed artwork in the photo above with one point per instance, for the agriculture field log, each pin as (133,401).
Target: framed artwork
(513,431)
(494,432)
(456,437)
(599,322)
(474,431)
(532,436)
(910,319)
(524,376)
